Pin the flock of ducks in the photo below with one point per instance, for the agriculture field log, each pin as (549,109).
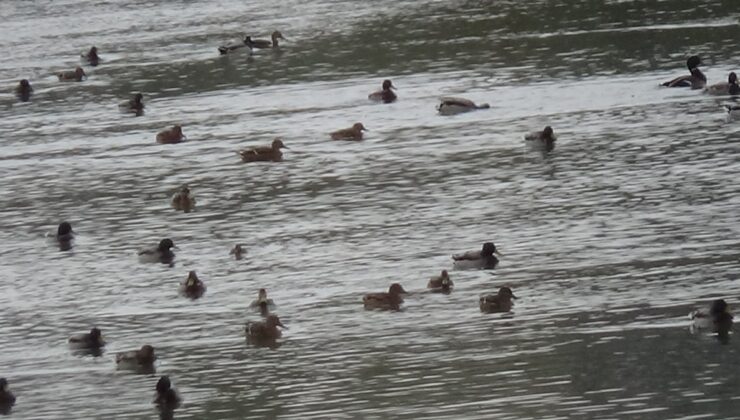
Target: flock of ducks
(265,332)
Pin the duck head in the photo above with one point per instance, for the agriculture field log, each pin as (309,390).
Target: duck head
(165,245)
(719,306)
(732,78)
(274,321)
(64,229)
(164,384)
(3,384)
(506,293)
(185,190)
(547,132)
(359,127)
(387,85)
(176,129)
(488,249)
(147,352)
(276,35)
(138,98)
(277,144)
(396,289)
(79,73)
(262,296)
(693,62)
(96,335)
(93,51)
(25,84)
(445,278)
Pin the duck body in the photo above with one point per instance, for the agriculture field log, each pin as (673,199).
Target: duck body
(183,200)
(695,79)
(483,259)
(264,330)
(166,396)
(24,90)
(718,319)
(162,253)
(64,236)
(237,252)
(75,75)
(543,140)
(92,57)
(6,396)
(731,87)
(172,135)
(270,153)
(134,105)
(385,95)
(135,358)
(500,302)
(441,283)
(263,43)
(390,300)
(92,340)
(352,133)
(234,46)
(454,106)
(192,287)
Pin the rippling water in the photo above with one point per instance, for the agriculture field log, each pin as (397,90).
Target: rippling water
(609,241)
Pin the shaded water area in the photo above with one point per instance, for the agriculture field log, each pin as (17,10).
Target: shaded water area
(609,241)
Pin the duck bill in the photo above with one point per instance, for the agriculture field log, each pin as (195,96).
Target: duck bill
(498,253)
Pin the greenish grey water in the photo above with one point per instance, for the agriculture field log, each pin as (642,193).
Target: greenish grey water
(609,241)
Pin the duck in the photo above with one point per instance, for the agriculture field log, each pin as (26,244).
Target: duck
(166,397)
(729,88)
(143,357)
(183,200)
(134,105)
(192,287)
(261,298)
(64,236)
(6,396)
(75,75)
(265,330)
(695,80)
(162,253)
(385,95)
(237,251)
(263,43)
(718,319)
(390,300)
(24,90)
(172,135)
(92,340)
(352,133)
(500,302)
(483,259)
(453,106)
(264,153)
(441,283)
(92,56)
(544,139)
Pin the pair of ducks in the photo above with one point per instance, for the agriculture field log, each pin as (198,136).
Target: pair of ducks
(697,80)
(94,341)
(78,74)
(250,43)
(448,105)
(264,331)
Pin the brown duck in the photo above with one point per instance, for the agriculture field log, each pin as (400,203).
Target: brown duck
(391,300)
(270,153)
(352,133)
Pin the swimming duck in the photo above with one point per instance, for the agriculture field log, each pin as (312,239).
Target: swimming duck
(263,43)
(729,88)
(233,46)
(143,357)
(75,75)
(541,139)
(440,283)
(352,133)
(92,56)
(64,236)
(92,340)
(385,95)
(452,106)
(391,300)
(261,298)
(264,153)
(166,397)
(161,253)
(237,252)
(696,80)
(171,136)
(183,200)
(718,318)
(265,330)
(7,399)
(193,287)
(24,90)
(500,302)
(483,259)
(134,105)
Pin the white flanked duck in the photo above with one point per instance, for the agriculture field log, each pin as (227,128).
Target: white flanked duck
(162,253)
(92,340)
(695,79)
(731,87)
(135,105)
(543,140)
(453,106)
(137,359)
(483,259)
(385,95)
(263,43)
(271,153)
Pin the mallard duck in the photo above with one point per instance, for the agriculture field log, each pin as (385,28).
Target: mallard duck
(6,396)
(385,95)
(391,300)
(192,287)
(452,106)
(352,133)
(544,139)
(440,283)
(500,302)
(166,397)
(265,330)
(263,43)
(134,105)
(237,252)
(264,153)
(731,87)
(142,357)
(183,200)
(92,57)
(261,298)
(234,45)
(483,259)
(171,136)
(92,340)
(162,253)
(718,319)
(24,90)
(695,80)
(75,75)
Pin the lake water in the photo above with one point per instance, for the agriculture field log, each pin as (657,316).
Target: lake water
(609,241)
